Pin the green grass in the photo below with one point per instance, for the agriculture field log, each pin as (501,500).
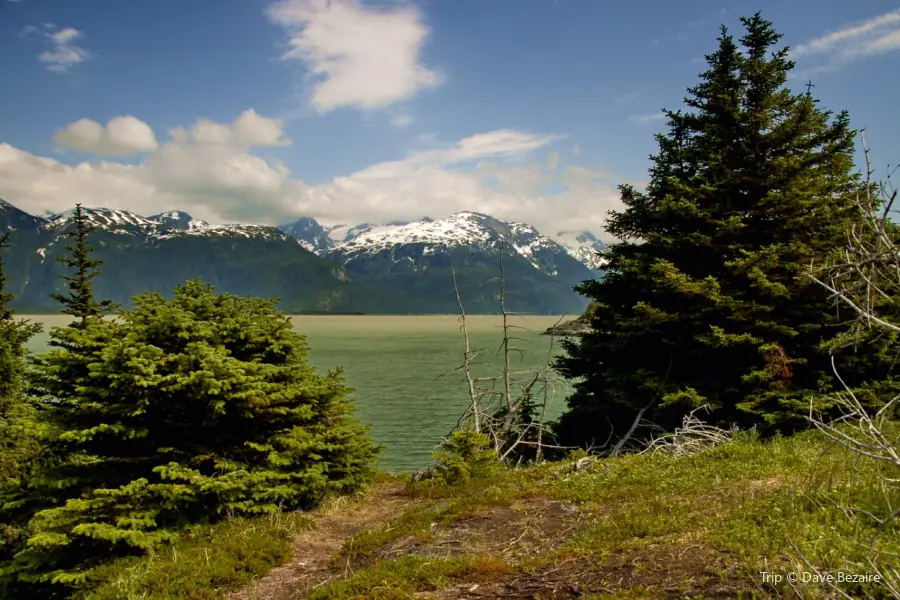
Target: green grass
(397,579)
(690,525)
(205,562)
(447,504)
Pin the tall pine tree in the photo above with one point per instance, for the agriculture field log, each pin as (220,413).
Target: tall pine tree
(705,300)
(82,346)
(80,301)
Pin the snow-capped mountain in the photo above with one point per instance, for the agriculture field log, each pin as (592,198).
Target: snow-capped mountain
(584,246)
(319,238)
(397,267)
(461,229)
(162,226)
(468,229)
(309,234)
(159,252)
(416,258)
(179,220)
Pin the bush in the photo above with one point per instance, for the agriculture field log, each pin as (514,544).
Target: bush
(464,456)
(181,411)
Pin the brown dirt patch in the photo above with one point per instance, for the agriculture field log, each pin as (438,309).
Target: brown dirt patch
(313,549)
(528,527)
(654,573)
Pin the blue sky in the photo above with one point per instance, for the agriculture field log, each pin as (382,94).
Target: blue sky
(260,111)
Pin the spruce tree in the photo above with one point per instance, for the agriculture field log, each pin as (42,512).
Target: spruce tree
(80,301)
(82,346)
(16,413)
(705,300)
(21,425)
(196,408)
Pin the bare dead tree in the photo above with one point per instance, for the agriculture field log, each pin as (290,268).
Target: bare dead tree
(510,405)
(467,357)
(866,279)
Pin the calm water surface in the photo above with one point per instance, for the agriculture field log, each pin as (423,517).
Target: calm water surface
(402,369)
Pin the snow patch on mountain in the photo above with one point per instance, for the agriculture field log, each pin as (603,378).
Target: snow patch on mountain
(106,218)
(583,246)
(460,229)
(162,226)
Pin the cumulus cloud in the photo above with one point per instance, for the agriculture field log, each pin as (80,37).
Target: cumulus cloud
(248,130)
(357,55)
(206,169)
(877,35)
(210,170)
(122,136)
(64,52)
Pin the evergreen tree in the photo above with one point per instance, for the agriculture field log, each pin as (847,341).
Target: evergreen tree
(16,423)
(20,424)
(705,300)
(80,301)
(196,407)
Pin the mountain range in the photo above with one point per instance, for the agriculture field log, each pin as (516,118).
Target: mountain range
(395,268)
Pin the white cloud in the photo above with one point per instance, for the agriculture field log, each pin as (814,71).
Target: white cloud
(878,35)
(409,190)
(358,56)
(501,143)
(645,119)
(210,170)
(64,52)
(122,136)
(206,169)
(248,130)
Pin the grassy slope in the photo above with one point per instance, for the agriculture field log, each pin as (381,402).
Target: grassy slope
(631,527)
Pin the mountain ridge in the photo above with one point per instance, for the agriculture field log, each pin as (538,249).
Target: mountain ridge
(583,246)
(396,268)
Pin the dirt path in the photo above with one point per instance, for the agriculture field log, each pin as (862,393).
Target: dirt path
(314,548)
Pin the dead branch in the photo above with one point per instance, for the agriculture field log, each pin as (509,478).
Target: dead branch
(467,356)
(867,277)
(692,437)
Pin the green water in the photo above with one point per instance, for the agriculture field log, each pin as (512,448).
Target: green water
(402,370)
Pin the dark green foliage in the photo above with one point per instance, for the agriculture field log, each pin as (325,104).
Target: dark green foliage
(527,431)
(464,456)
(705,300)
(5,296)
(20,426)
(181,411)
(17,415)
(80,302)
